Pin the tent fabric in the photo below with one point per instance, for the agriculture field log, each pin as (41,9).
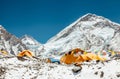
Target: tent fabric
(25,53)
(68,58)
(79,59)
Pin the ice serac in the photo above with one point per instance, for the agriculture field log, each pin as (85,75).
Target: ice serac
(10,43)
(90,32)
(32,44)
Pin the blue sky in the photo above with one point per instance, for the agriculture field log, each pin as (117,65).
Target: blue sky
(43,19)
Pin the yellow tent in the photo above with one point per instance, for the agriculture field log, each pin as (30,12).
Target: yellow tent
(3,52)
(25,53)
(95,57)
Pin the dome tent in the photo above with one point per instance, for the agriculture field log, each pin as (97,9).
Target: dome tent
(25,53)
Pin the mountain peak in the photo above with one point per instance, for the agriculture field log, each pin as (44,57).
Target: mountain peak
(28,39)
(90,17)
(26,36)
(89,14)
(1,27)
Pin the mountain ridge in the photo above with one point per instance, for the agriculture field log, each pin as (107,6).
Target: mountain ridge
(9,42)
(89,32)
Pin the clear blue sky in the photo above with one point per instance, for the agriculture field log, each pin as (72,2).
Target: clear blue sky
(43,19)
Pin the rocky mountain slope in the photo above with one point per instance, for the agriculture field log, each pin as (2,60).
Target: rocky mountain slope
(90,32)
(10,43)
(14,45)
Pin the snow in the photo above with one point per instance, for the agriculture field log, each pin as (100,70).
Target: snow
(28,41)
(115,42)
(7,45)
(104,33)
(38,69)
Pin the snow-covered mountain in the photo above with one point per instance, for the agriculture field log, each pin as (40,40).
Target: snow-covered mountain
(32,44)
(14,45)
(10,43)
(90,32)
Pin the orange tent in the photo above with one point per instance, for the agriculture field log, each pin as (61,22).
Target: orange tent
(69,58)
(25,53)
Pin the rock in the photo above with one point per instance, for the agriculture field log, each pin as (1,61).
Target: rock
(102,74)
(118,75)
(96,73)
(77,69)
(99,67)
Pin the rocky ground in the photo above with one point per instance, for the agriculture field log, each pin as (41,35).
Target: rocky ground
(25,68)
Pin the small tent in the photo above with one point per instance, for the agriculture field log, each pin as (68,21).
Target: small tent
(25,53)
